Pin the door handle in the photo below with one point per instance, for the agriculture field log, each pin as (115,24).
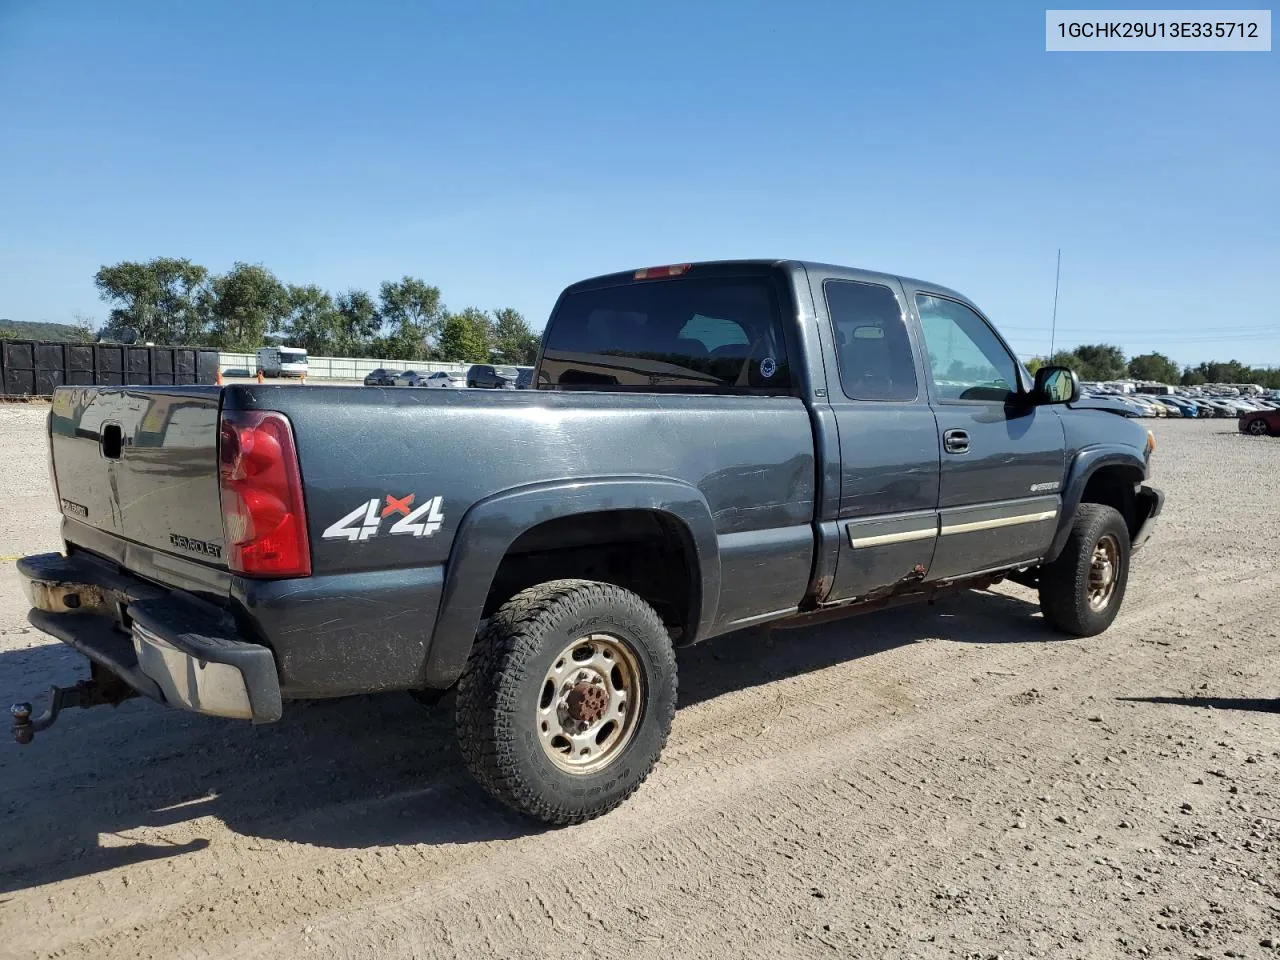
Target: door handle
(955,441)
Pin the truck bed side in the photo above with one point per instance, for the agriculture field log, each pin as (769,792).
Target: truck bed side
(391,477)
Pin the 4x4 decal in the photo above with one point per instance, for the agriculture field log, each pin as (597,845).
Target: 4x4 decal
(365,521)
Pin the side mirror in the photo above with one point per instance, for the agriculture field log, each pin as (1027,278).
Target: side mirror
(1056,385)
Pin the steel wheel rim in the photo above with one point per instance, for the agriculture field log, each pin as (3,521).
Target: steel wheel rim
(590,703)
(1104,571)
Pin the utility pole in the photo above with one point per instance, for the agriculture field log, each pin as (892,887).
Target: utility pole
(1053,329)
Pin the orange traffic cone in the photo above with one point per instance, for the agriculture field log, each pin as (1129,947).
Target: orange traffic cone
(217,377)
(259,376)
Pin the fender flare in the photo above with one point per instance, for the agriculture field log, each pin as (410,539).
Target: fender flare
(489,528)
(1085,464)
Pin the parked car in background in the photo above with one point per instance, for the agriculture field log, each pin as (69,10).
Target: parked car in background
(380,378)
(410,378)
(444,380)
(489,377)
(1145,405)
(1263,423)
(524,378)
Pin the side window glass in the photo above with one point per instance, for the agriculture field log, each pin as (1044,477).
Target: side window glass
(966,360)
(873,351)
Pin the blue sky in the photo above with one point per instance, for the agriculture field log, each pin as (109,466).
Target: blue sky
(503,150)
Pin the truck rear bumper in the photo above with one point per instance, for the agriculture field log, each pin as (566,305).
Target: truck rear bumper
(163,644)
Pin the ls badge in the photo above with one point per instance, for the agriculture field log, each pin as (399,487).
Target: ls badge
(365,521)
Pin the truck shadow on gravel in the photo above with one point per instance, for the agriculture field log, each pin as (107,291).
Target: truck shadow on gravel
(1254,704)
(106,788)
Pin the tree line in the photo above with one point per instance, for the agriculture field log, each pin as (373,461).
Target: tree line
(174,301)
(1100,361)
(78,332)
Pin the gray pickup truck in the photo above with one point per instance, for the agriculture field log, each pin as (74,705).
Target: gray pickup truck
(705,448)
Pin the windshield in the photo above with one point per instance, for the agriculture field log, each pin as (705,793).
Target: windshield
(293,355)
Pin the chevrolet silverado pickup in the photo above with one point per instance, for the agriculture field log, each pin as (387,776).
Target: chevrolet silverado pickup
(704,448)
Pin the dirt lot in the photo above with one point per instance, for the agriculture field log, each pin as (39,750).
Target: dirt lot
(945,781)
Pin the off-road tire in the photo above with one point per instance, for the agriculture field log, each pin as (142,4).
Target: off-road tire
(1064,583)
(502,684)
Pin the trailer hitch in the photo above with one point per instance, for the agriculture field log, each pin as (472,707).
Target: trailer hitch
(103,688)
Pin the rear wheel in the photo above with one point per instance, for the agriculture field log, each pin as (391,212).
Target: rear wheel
(1081,591)
(567,700)
(1257,427)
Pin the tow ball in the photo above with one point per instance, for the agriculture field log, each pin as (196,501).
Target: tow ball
(103,688)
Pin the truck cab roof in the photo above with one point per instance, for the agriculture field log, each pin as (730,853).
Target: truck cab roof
(763,265)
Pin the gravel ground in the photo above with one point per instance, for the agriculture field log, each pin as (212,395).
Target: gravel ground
(938,781)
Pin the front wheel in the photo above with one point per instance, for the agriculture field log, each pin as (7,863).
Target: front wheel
(567,700)
(1257,427)
(1081,591)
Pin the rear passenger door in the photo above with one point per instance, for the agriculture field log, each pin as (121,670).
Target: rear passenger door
(888,437)
(1003,460)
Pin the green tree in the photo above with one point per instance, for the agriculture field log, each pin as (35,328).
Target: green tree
(1192,377)
(413,314)
(243,305)
(312,321)
(358,323)
(514,341)
(1067,358)
(159,299)
(1213,371)
(1035,363)
(83,328)
(464,338)
(1153,366)
(1101,361)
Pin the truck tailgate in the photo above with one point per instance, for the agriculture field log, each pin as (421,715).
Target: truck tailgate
(141,464)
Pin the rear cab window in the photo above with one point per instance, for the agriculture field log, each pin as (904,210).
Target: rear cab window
(715,334)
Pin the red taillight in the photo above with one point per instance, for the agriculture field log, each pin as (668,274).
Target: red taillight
(653,273)
(263,515)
